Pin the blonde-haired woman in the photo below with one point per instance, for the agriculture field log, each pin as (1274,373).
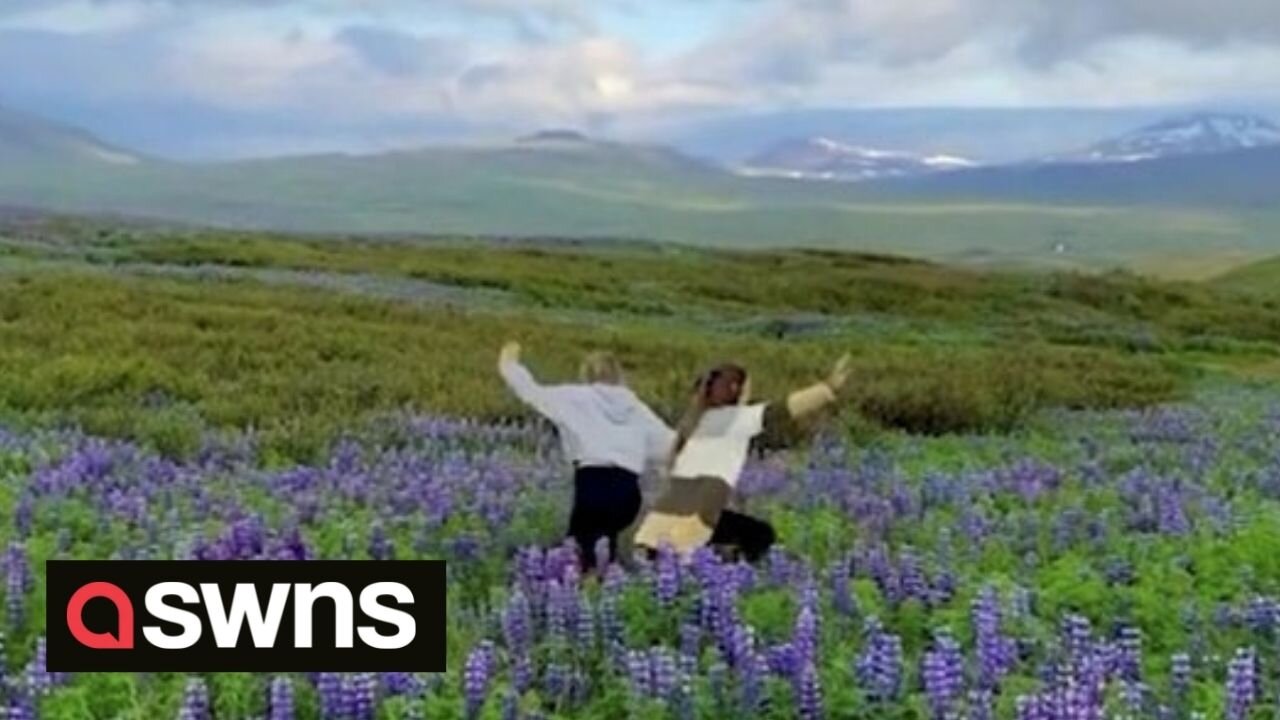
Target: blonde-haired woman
(707,457)
(608,434)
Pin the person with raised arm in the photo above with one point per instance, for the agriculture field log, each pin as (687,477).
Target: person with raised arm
(707,457)
(608,434)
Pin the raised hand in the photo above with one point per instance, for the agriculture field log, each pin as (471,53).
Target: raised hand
(839,373)
(510,352)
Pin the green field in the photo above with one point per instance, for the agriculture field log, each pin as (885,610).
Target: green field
(155,333)
(618,191)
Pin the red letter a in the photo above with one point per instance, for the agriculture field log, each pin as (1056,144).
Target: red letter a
(123,639)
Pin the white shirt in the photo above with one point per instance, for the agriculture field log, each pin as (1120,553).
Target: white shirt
(599,424)
(718,446)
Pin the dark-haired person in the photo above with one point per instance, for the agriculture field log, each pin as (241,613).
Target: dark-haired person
(707,457)
(608,434)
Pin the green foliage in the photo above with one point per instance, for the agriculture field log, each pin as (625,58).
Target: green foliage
(128,334)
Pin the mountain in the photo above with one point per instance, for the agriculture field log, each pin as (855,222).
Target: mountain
(1239,180)
(562,184)
(1197,134)
(989,135)
(26,140)
(822,158)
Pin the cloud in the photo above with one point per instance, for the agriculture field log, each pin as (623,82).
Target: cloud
(402,54)
(321,69)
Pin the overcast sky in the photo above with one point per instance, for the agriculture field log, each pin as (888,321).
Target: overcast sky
(244,77)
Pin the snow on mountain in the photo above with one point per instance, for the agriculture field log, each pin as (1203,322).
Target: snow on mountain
(1199,134)
(821,158)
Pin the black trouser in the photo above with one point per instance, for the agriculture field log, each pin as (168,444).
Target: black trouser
(606,500)
(750,536)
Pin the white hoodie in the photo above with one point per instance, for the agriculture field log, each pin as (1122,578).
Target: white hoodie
(599,424)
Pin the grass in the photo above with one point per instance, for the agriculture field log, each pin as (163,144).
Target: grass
(160,334)
(632,194)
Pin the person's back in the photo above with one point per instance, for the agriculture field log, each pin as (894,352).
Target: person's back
(608,434)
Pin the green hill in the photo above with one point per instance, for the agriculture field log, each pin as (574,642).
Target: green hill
(1262,277)
(1094,218)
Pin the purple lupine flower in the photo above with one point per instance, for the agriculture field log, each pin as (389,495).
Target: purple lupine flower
(1129,653)
(395,684)
(663,672)
(639,674)
(19,581)
(477,671)
(1134,694)
(753,671)
(611,626)
(1262,615)
(981,705)
(667,576)
(1077,636)
(20,703)
(1021,603)
(555,683)
(517,622)
(522,671)
(584,629)
(996,653)
(942,671)
(361,691)
(841,594)
(911,577)
(718,683)
(690,640)
(1242,684)
(333,701)
(808,689)
(804,637)
(1180,678)
(380,546)
(742,645)
(38,678)
(24,515)
(195,700)
(682,706)
(559,609)
(782,660)
(780,567)
(510,705)
(879,666)
(281,699)
(1029,707)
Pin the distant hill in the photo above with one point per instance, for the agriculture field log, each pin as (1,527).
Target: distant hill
(564,184)
(1238,179)
(1196,134)
(987,135)
(820,158)
(26,140)
(1258,277)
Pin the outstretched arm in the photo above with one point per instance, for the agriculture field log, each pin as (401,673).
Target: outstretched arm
(522,382)
(780,424)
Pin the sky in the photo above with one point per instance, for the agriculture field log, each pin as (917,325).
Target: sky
(250,77)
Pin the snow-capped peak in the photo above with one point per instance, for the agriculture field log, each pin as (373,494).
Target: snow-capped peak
(827,159)
(1197,134)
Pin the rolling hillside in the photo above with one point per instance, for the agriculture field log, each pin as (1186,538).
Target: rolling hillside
(1181,216)
(26,140)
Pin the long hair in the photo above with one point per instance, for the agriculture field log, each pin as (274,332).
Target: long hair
(700,403)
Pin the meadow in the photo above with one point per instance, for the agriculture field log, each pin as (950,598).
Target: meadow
(1047,495)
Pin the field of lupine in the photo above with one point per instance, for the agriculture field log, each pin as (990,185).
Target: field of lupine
(1121,564)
